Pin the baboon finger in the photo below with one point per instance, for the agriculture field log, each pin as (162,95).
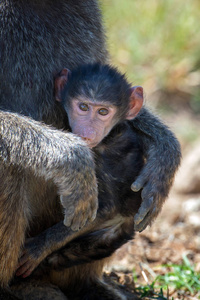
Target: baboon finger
(138,184)
(143,224)
(146,221)
(23,269)
(22,260)
(143,210)
(93,211)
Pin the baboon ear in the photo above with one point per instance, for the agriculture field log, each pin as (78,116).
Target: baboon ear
(59,83)
(135,102)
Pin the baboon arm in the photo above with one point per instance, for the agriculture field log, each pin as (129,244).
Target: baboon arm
(90,247)
(45,151)
(163,154)
(38,248)
(60,157)
(66,248)
(13,222)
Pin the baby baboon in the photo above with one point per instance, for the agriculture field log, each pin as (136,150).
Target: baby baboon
(100,104)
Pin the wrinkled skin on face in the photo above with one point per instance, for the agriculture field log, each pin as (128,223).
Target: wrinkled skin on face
(91,120)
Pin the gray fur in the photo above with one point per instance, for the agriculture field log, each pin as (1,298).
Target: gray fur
(37,39)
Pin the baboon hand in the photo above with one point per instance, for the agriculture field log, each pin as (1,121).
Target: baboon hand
(152,200)
(80,214)
(77,187)
(30,259)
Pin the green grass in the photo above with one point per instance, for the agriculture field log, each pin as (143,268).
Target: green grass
(150,292)
(181,278)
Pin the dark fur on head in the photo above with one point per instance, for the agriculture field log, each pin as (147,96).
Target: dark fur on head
(98,82)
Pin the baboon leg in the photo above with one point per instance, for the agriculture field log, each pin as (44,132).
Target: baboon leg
(6,294)
(13,221)
(91,247)
(85,282)
(100,290)
(31,289)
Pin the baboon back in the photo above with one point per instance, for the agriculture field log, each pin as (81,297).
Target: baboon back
(37,40)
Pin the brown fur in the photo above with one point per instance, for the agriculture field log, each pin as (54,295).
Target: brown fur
(39,38)
(34,195)
(113,226)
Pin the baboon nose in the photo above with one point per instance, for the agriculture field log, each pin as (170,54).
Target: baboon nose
(87,140)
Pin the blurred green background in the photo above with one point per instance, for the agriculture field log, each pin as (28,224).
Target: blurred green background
(157,43)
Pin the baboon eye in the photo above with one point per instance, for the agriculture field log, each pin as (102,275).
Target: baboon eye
(84,106)
(103,111)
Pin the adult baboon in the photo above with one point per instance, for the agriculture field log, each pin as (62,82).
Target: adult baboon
(37,39)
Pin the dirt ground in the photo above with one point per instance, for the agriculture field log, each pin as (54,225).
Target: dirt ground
(175,233)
